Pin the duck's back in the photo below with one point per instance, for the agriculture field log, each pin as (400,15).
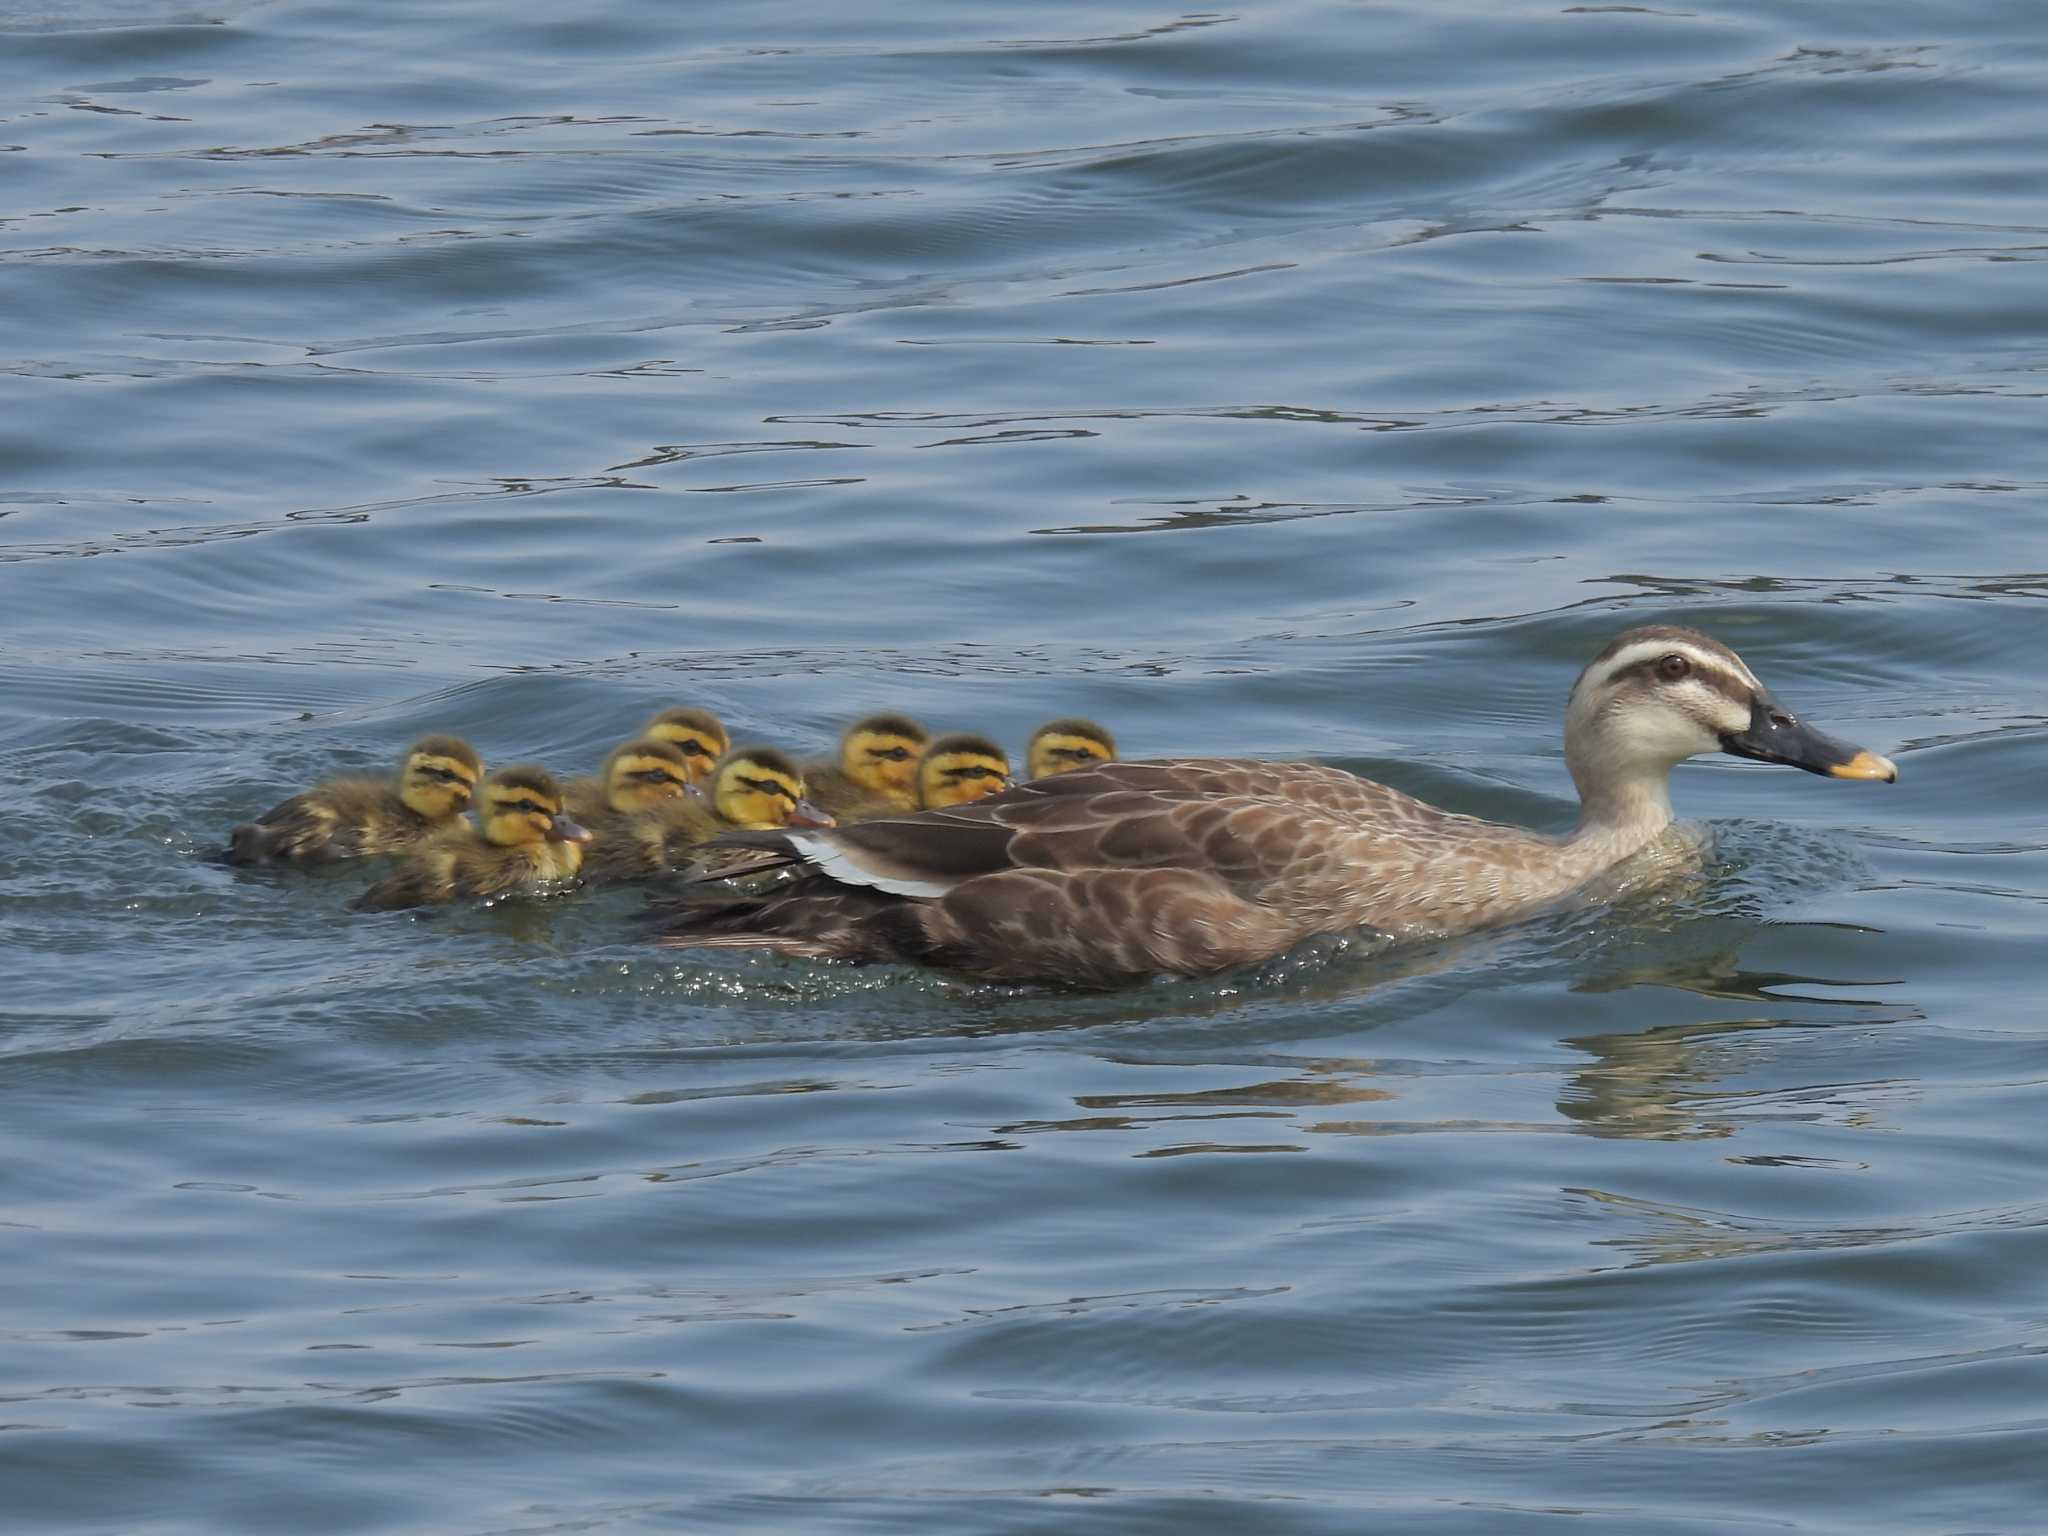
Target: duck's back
(342,819)
(1125,869)
(833,789)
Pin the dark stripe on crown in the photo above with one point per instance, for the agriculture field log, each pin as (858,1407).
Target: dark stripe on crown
(965,741)
(1662,633)
(648,746)
(451,747)
(684,718)
(774,759)
(1087,730)
(886,724)
(528,776)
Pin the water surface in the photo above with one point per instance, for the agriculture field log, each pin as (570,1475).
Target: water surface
(1317,379)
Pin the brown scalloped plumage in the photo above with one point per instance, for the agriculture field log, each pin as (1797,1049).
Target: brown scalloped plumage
(1125,870)
(1106,874)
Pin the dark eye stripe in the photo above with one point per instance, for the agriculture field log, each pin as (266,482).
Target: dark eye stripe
(769,787)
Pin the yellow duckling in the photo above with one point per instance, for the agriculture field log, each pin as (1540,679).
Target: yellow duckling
(526,839)
(753,789)
(696,733)
(962,767)
(354,818)
(624,808)
(876,772)
(1060,745)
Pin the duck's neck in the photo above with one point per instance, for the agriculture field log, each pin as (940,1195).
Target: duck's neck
(1616,817)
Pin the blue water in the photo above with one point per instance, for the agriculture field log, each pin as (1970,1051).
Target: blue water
(1314,380)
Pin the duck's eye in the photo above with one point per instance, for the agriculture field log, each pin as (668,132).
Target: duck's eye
(768,787)
(1674,667)
(657,775)
(693,748)
(890,754)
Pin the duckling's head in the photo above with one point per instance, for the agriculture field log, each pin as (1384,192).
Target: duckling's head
(696,733)
(1660,694)
(438,777)
(1059,745)
(761,788)
(880,753)
(959,768)
(643,773)
(522,805)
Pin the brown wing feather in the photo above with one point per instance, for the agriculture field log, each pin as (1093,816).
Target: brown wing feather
(1104,874)
(1246,822)
(345,819)
(831,787)
(425,879)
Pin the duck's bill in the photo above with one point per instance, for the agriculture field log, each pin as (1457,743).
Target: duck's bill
(566,831)
(808,813)
(1774,735)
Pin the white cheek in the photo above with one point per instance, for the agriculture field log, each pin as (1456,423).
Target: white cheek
(1717,714)
(1667,734)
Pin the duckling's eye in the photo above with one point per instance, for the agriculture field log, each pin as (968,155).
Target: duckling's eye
(693,748)
(656,776)
(973,771)
(769,787)
(1674,667)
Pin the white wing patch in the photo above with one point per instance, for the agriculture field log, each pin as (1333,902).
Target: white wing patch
(828,858)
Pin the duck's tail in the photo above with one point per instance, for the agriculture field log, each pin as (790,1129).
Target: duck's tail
(803,914)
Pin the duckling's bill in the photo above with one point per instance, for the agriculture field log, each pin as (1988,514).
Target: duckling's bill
(563,830)
(1775,735)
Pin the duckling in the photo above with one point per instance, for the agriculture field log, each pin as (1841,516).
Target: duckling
(526,839)
(752,789)
(876,771)
(359,817)
(1059,745)
(696,733)
(958,768)
(623,808)
(1183,867)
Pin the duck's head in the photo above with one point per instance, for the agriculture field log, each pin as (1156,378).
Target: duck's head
(761,788)
(439,776)
(643,773)
(1658,695)
(880,753)
(959,768)
(1059,745)
(522,805)
(696,733)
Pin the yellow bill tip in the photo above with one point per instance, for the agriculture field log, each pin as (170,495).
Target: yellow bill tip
(1867,765)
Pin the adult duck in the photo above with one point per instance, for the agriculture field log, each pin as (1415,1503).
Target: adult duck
(1125,870)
